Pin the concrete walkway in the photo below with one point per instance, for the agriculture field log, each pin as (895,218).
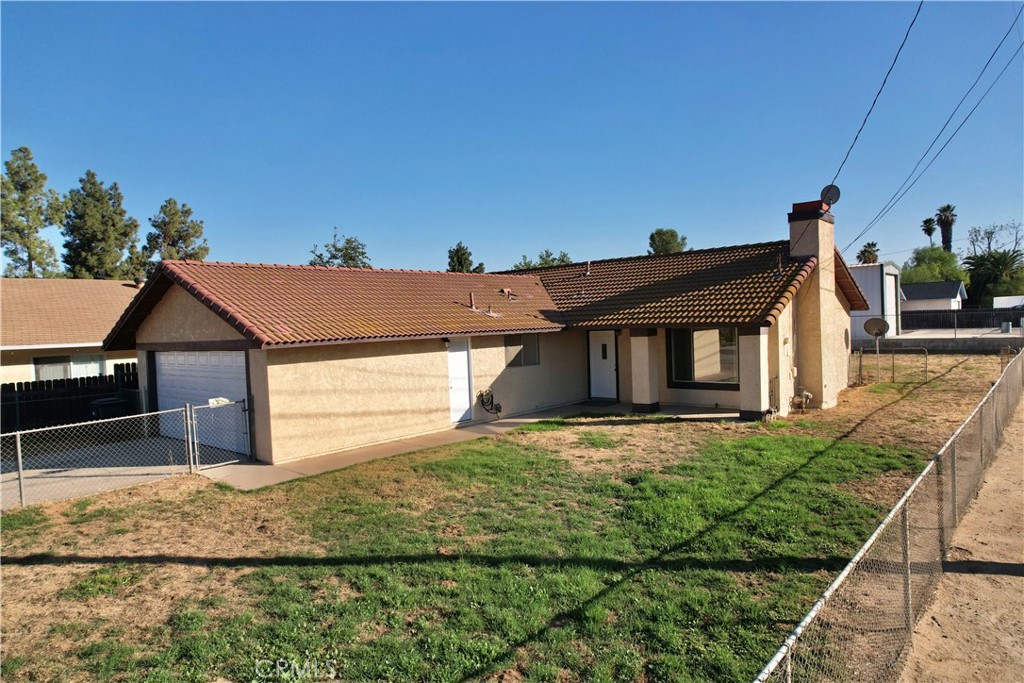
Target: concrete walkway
(974,628)
(253,475)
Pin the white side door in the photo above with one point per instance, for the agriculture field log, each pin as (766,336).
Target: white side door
(602,365)
(460,389)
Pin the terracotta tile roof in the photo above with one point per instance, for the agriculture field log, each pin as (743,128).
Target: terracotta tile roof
(748,284)
(275,305)
(37,312)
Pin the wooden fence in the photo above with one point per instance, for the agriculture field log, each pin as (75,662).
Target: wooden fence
(28,405)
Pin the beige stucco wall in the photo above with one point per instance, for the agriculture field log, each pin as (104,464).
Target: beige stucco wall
(324,399)
(822,317)
(259,398)
(559,379)
(18,366)
(180,317)
(781,358)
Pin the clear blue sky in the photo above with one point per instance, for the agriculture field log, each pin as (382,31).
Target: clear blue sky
(512,127)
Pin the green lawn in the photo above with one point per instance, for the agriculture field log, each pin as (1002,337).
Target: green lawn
(499,556)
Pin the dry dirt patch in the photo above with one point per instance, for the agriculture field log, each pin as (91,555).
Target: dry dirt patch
(165,537)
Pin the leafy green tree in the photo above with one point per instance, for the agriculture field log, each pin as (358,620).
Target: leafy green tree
(946,217)
(99,235)
(347,253)
(460,260)
(928,228)
(868,253)
(544,259)
(933,264)
(666,241)
(26,207)
(175,234)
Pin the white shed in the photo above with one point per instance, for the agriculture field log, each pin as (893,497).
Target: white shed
(880,283)
(934,296)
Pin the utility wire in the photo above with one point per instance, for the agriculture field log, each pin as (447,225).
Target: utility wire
(877,94)
(941,149)
(886,206)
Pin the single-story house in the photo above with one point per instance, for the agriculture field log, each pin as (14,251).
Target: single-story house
(1007,301)
(333,358)
(934,296)
(880,283)
(54,329)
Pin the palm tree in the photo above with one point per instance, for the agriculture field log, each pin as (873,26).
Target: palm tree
(868,254)
(990,268)
(946,217)
(928,228)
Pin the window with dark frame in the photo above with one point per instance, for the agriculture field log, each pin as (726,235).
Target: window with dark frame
(703,359)
(522,349)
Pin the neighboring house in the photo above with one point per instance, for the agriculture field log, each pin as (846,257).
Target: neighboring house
(880,283)
(54,329)
(1007,301)
(334,358)
(934,296)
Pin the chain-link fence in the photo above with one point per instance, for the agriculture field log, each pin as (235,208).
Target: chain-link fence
(860,629)
(68,461)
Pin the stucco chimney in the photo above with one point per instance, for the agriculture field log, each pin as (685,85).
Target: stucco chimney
(822,322)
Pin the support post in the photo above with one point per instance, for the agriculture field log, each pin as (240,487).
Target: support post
(188,440)
(981,434)
(787,673)
(21,472)
(908,606)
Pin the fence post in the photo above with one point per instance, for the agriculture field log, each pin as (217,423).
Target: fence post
(188,439)
(894,366)
(195,436)
(21,474)
(908,606)
(787,672)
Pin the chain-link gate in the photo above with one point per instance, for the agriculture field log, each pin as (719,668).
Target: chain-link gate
(219,433)
(68,461)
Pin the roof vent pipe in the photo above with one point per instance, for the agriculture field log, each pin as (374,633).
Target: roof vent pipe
(587,274)
(472,301)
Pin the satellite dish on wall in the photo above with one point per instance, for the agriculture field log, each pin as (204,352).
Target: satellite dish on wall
(830,194)
(876,327)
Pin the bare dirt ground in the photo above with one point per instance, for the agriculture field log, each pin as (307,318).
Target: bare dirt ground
(168,559)
(974,630)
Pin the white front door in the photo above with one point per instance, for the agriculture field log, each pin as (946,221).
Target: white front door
(460,389)
(603,365)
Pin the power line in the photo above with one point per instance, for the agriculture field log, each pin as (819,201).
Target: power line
(941,149)
(878,94)
(881,212)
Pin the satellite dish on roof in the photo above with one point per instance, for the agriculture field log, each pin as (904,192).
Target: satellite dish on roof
(876,327)
(830,194)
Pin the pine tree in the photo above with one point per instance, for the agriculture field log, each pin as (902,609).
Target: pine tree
(175,234)
(100,237)
(460,260)
(26,207)
(350,252)
(666,241)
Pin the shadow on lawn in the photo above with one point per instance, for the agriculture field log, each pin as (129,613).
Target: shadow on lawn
(667,560)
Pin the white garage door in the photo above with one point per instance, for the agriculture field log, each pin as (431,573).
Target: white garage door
(194,377)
